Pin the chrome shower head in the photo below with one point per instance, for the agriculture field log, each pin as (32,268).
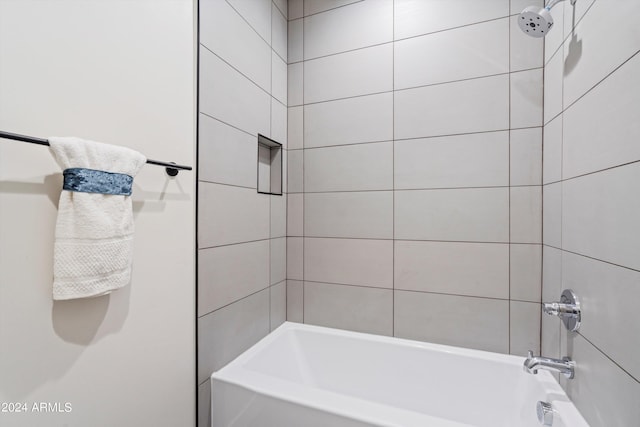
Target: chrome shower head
(535,22)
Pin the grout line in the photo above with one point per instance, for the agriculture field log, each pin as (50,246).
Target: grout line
(240,243)
(196,205)
(228,124)
(303,183)
(509,180)
(393,174)
(608,357)
(200,316)
(333,8)
(591,258)
(227,185)
(485,187)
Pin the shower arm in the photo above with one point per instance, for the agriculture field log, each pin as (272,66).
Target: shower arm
(555,2)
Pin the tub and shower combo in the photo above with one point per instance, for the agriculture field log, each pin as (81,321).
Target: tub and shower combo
(310,376)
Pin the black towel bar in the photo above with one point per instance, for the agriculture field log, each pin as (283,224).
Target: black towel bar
(171,168)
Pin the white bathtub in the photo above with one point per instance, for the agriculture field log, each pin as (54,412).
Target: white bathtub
(309,376)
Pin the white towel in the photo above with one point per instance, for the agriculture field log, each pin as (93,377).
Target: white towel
(94,232)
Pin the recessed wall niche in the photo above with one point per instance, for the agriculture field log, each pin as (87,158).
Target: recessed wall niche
(269,166)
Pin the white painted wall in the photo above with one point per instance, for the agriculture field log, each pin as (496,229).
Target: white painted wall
(120,72)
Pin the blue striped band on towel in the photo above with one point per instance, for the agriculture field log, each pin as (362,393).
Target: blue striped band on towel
(95,181)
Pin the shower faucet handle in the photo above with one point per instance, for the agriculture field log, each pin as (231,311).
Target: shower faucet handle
(567,309)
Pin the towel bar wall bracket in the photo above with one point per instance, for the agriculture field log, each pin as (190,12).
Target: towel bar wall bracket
(171,168)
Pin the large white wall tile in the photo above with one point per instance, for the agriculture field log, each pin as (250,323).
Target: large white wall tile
(295,214)
(526,214)
(238,325)
(360,72)
(480,215)
(480,323)
(314,6)
(295,253)
(415,17)
(461,107)
(349,307)
(352,214)
(600,215)
(474,160)
(608,298)
(230,97)
(356,26)
(256,12)
(591,144)
(552,214)
(603,393)
(282,7)
(524,330)
(553,76)
(278,78)
(474,269)
(227,155)
(295,124)
(278,310)
(595,49)
(551,290)
(279,33)
(231,215)
(349,121)
(278,216)
(349,168)
(227,34)
(294,84)
(552,151)
(296,9)
(516,6)
(525,272)
(279,122)
(362,262)
(295,302)
(526,156)
(526,98)
(553,40)
(295,171)
(473,51)
(525,52)
(573,14)
(295,41)
(278,254)
(228,273)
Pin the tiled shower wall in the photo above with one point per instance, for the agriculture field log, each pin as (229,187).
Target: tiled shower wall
(241,234)
(415,151)
(592,203)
